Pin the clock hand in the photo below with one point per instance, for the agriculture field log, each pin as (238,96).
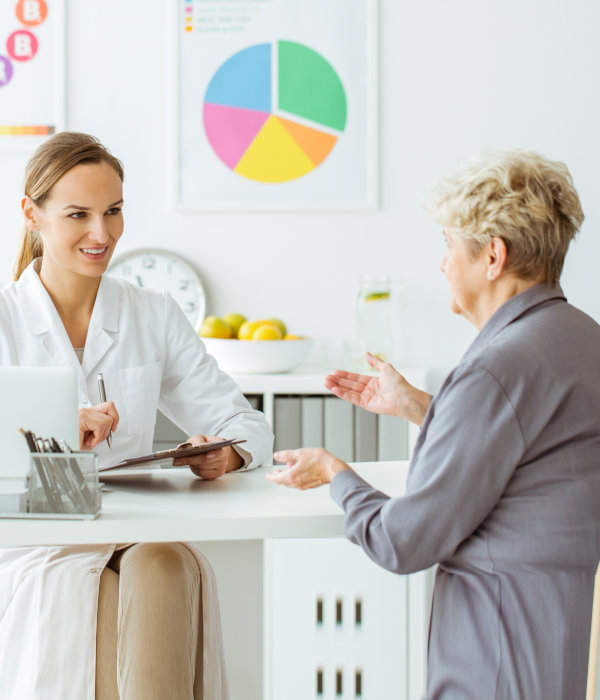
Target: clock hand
(139,281)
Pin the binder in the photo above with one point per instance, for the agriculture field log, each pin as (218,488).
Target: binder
(338,438)
(287,423)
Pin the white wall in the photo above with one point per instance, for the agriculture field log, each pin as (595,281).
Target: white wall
(455,77)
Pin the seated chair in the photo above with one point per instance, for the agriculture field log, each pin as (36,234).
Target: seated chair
(593,683)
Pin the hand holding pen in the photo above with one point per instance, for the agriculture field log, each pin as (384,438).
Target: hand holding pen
(96,423)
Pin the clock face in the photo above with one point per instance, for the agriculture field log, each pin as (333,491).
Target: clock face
(152,268)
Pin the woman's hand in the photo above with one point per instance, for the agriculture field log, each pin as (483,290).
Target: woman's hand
(386,393)
(307,468)
(211,465)
(96,423)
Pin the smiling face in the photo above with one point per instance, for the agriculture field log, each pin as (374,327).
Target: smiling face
(81,221)
(465,273)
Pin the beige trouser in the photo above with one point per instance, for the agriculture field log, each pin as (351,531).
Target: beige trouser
(149,636)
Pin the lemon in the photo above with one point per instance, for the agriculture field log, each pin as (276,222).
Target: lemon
(247,329)
(213,327)
(280,324)
(291,336)
(267,331)
(376,296)
(234,321)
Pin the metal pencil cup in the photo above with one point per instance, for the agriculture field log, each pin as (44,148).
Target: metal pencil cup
(64,485)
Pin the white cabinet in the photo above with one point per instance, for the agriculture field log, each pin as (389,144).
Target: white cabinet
(336,623)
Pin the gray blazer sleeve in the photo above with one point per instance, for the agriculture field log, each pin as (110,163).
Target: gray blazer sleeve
(469,445)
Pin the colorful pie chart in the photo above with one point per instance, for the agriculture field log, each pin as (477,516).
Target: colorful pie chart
(273,112)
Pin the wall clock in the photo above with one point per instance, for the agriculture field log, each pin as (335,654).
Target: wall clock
(154,268)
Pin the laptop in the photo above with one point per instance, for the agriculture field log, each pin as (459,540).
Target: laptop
(41,399)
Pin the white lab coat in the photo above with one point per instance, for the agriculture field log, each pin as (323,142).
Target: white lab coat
(149,356)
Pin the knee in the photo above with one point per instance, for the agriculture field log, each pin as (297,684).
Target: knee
(162,561)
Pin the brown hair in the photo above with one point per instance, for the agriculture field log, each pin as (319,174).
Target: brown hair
(47,165)
(525,199)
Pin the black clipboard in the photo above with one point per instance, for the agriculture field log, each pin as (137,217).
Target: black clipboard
(184,450)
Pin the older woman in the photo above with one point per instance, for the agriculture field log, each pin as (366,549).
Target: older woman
(504,484)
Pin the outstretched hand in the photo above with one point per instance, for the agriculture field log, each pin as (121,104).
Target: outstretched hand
(386,393)
(307,468)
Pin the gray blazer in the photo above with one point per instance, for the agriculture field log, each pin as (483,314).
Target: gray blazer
(504,493)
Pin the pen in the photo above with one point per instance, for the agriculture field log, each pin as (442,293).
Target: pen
(62,476)
(102,391)
(39,468)
(53,495)
(75,468)
(28,435)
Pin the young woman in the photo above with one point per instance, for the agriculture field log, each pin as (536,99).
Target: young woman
(128,621)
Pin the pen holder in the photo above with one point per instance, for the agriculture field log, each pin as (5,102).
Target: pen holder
(62,485)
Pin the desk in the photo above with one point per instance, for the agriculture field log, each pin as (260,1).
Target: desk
(230,519)
(174,505)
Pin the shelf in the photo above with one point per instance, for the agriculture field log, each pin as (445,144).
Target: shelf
(307,380)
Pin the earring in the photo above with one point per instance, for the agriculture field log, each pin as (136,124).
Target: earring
(489,274)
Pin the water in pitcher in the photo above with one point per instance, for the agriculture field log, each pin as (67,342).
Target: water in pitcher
(374,317)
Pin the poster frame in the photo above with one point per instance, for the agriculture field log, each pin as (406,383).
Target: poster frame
(26,143)
(174,168)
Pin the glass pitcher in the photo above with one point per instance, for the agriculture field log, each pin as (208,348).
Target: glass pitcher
(374,318)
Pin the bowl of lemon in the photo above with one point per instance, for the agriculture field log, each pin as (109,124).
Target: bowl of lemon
(243,346)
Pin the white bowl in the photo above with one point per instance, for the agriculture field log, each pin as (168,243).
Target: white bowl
(258,356)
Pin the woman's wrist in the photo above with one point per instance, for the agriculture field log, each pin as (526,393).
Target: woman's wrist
(234,461)
(414,405)
(335,466)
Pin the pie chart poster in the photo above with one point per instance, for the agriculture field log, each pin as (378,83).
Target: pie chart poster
(275,105)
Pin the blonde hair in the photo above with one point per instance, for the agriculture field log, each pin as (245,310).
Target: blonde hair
(525,199)
(47,165)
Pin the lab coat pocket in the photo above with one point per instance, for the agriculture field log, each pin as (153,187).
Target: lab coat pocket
(141,390)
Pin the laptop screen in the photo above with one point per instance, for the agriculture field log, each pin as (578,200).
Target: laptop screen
(41,399)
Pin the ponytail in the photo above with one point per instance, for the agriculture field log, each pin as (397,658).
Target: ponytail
(30,248)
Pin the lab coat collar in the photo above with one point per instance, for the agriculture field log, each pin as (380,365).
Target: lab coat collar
(42,319)
(513,309)
(37,307)
(104,323)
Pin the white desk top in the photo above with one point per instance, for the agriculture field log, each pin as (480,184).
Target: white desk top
(173,505)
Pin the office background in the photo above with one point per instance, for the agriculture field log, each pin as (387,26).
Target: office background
(454,77)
